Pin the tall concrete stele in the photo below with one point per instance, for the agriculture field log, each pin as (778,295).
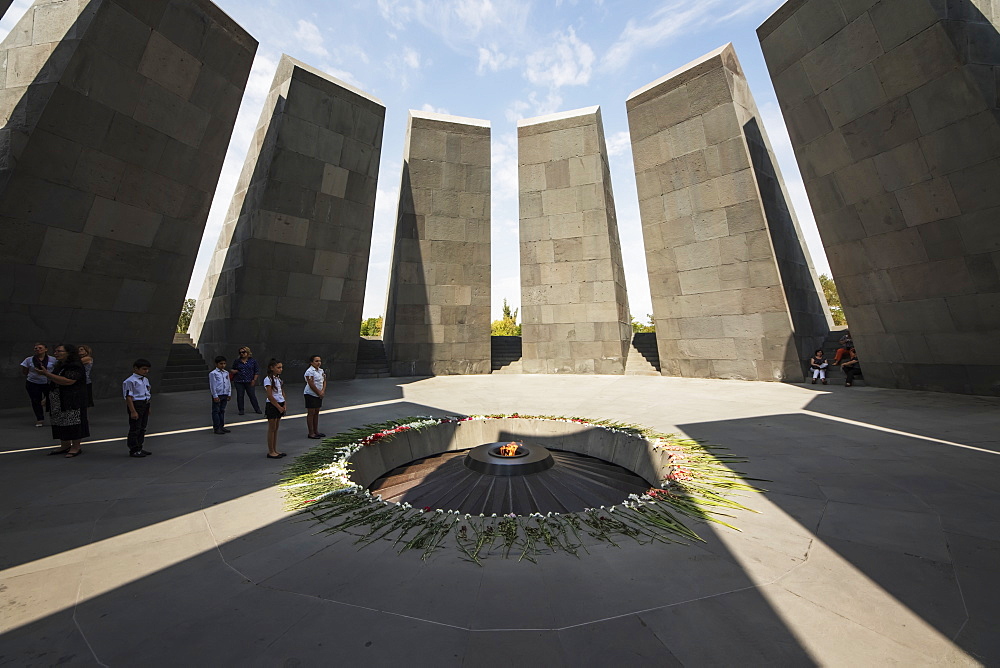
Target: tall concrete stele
(437,316)
(892,110)
(289,271)
(574,306)
(117,115)
(734,291)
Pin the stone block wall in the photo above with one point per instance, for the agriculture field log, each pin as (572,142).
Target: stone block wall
(892,109)
(116,119)
(574,305)
(733,288)
(437,319)
(289,271)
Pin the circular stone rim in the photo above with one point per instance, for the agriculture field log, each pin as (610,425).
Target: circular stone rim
(537,459)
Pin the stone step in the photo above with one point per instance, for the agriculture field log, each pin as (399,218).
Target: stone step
(181,386)
(514,367)
(186,369)
(371,360)
(636,364)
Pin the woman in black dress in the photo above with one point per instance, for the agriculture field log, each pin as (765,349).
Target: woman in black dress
(68,400)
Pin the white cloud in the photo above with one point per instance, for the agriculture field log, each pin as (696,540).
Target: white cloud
(461,21)
(619,143)
(350,53)
(310,40)
(427,106)
(566,62)
(673,19)
(492,59)
(477,14)
(533,106)
(411,58)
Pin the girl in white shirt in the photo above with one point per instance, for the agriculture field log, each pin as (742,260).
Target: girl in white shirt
(275,407)
(314,392)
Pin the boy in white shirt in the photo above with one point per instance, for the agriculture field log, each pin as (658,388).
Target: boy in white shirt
(137,396)
(219,384)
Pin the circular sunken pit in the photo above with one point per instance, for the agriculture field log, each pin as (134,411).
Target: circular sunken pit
(569,483)
(507,459)
(559,466)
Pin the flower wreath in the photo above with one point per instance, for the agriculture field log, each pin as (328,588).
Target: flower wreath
(696,485)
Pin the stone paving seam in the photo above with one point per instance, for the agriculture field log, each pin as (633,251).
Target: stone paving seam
(79,586)
(961,592)
(852,621)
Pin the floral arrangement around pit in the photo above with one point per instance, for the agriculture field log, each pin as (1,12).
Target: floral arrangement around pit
(696,484)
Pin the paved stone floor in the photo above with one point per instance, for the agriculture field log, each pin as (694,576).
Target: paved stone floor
(877,542)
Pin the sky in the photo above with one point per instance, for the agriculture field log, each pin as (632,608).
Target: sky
(500,61)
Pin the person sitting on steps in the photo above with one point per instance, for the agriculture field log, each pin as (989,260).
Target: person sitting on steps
(818,365)
(852,367)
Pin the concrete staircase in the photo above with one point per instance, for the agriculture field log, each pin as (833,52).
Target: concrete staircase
(833,373)
(372,362)
(186,369)
(643,355)
(505,353)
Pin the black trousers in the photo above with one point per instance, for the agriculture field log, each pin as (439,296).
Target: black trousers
(37,392)
(247,389)
(851,372)
(137,425)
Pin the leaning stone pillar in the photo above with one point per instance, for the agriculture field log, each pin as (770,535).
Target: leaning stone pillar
(289,271)
(116,119)
(733,288)
(437,319)
(892,110)
(574,305)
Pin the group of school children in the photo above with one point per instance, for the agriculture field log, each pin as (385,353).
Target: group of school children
(220,382)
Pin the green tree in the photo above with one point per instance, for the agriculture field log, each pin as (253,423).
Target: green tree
(507,325)
(833,299)
(184,321)
(639,327)
(371,326)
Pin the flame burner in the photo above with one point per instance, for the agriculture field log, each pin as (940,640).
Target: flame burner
(509,450)
(508,459)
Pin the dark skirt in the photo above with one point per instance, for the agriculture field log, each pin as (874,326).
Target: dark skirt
(272,413)
(313,402)
(67,425)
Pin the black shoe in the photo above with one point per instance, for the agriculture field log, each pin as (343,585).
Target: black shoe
(218,431)
(321,434)
(226,431)
(146,452)
(241,413)
(258,411)
(137,453)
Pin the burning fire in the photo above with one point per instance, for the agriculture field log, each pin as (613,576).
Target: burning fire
(509,450)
